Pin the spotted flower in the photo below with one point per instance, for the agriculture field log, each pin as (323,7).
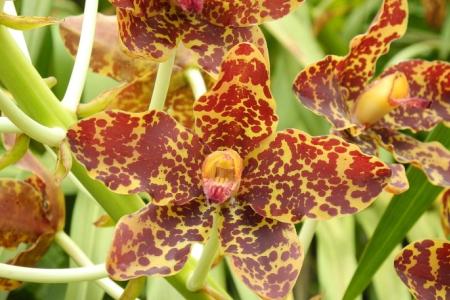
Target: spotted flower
(413,95)
(424,266)
(209,28)
(444,203)
(31,211)
(137,75)
(234,167)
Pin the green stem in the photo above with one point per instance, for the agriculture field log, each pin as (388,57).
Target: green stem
(307,233)
(6,126)
(14,154)
(162,83)
(81,259)
(78,78)
(52,275)
(198,278)
(43,134)
(133,289)
(28,88)
(196,81)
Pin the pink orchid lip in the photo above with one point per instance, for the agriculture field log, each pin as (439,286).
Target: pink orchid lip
(195,6)
(221,175)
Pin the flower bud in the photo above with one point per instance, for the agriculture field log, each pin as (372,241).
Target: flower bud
(380,98)
(221,175)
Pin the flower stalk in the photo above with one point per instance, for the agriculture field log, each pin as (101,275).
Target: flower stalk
(80,258)
(78,78)
(307,233)
(198,277)
(28,88)
(43,134)
(196,81)
(162,83)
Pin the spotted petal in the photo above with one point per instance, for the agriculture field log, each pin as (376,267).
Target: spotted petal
(108,57)
(246,12)
(295,176)
(265,253)
(427,80)
(141,152)
(239,111)
(432,158)
(355,70)
(154,34)
(317,87)
(22,218)
(399,182)
(444,201)
(211,43)
(157,240)
(424,267)
(364,141)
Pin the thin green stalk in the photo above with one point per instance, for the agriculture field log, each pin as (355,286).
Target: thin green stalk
(196,81)
(198,278)
(52,275)
(43,134)
(133,289)
(81,259)
(28,88)
(17,151)
(6,126)
(77,80)
(307,233)
(162,83)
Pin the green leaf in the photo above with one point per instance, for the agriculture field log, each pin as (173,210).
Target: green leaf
(336,257)
(93,241)
(401,214)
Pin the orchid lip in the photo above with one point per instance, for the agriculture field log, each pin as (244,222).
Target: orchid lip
(221,175)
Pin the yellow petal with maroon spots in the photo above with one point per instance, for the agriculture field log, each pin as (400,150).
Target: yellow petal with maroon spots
(265,253)
(154,35)
(432,158)
(364,141)
(428,80)
(156,240)
(22,218)
(28,258)
(399,182)
(295,176)
(246,12)
(444,201)
(424,266)
(239,111)
(25,22)
(108,57)
(317,87)
(355,70)
(135,97)
(141,152)
(210,43)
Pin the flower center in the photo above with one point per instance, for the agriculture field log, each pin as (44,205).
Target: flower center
(383,96)
(221,175)
(191,5)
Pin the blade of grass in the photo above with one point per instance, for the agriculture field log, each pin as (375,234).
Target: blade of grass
(336,257)
(387,285)
(401,214)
